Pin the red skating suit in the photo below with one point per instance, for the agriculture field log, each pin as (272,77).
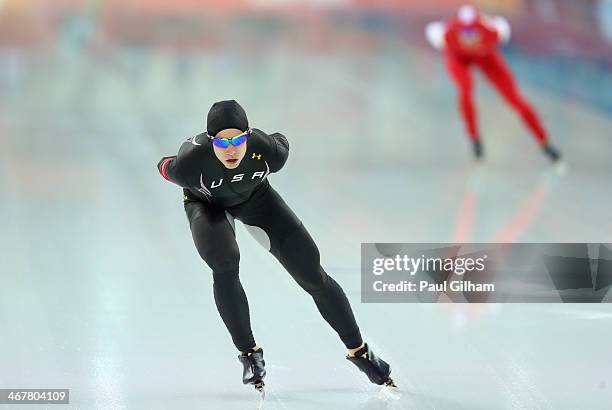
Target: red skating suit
(475,43)
(470,42)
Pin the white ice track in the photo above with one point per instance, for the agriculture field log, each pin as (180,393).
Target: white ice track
(102,291)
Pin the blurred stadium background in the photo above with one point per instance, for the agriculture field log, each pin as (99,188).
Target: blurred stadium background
(101,288)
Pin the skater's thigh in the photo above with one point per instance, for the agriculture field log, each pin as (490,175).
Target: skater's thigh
(213,235)
(497,71)
(460,73)
(271,214)
(299,254)
(289,240)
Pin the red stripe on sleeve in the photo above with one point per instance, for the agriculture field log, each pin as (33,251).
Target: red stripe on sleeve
(164,168)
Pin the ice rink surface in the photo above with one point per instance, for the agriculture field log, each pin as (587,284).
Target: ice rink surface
(102,290)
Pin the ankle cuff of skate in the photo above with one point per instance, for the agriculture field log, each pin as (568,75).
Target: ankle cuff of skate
(250,352)
(360,353)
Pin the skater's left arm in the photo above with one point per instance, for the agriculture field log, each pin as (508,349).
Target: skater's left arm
(503,29)
(501,26)
(280,151)
(274,146)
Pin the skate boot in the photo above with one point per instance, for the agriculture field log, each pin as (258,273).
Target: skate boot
(477,149)
(253,369)
(551,152)
(374,367)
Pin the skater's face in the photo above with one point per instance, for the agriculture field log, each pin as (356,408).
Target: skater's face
(230,156)
(467,15)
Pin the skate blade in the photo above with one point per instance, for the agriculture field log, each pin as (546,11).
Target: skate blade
(560,168)
(389,394)
(389,391)
(390,383)
(391,386)
(259,386)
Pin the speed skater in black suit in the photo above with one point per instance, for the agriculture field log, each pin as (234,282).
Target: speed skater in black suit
(223,173)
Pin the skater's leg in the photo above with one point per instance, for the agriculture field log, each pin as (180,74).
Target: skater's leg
(215,241)
(291,244)
(460,73)
(299,255)
(496,70)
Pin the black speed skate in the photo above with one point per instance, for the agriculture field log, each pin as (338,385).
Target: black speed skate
(477,149)
(253,369)
(551,152)
(374,367)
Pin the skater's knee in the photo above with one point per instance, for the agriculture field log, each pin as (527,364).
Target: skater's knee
(228,276)
(223,262)
(465,95)
(314,281)
(524,108)
(300,256)
(307,272)
(515,99)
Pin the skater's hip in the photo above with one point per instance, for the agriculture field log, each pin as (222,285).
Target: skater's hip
(228,202)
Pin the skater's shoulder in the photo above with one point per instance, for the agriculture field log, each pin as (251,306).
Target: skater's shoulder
(257,134)
(261,137)
(265,136)
(194,151)
(269,141)
(195,144)
(274,147)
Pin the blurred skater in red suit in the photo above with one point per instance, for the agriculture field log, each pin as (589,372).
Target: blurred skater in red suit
(468,40)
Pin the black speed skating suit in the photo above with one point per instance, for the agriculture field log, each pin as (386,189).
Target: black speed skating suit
(214,195)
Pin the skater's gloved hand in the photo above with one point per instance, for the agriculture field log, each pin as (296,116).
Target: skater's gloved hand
(162,166)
